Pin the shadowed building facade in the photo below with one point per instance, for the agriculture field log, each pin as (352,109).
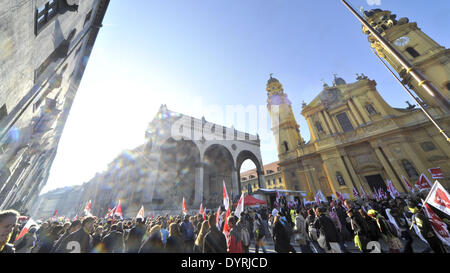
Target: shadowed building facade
(44,49)
(182,157)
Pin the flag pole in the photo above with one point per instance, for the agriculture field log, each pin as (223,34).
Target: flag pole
(427,114)
(415,73)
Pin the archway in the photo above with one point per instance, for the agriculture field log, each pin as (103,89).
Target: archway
(218,167)
(247,155)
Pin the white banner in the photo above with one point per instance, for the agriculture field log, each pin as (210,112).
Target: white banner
(439,198)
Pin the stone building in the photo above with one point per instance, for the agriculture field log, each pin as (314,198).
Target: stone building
(44,49)
(273,179)
(357,139)
(182,157)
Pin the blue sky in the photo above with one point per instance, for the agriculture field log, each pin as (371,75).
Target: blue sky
(192,55)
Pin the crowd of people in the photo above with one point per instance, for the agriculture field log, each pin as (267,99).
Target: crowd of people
(325,227)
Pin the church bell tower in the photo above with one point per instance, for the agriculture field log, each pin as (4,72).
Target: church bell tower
(284,126)
(432,59)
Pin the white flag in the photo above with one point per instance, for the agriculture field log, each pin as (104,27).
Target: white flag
(226,199)
(140,213)
(439,198)
(27,226)
(239,207)
(439,227)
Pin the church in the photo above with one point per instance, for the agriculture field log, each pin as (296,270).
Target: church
(357,140)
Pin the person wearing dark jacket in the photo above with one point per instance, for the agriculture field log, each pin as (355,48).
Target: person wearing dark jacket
(329,237)
(134,240)
(76,225)
(174,243)
(281,237)
(113,242)
(79,241)
(154,242)
(425,228)
(214,241)
(8,220)
(188,231)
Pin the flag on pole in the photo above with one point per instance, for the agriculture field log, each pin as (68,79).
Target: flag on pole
(439,198)
(87,209)
(140,213)
(408,184)
(118,210)
(75,218)
(321,196)
(392,190)
(201,208)
(363,193)
(204,214)
(239,207)
(277,199)
(355,193)
(184,207)
(226,199)
(339,195)
(27,226)
(439,227)
(54,215)
(436,173)
(423,183)
(218,218)
(110,213)
(226,228)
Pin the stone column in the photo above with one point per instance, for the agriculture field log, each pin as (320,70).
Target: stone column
(198,184)
(234,183)
(355,113)
(328,118)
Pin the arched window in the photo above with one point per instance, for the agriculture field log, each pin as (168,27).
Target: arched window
(409,168)
(319,127)
(340,179)
(412,52)
(286,146)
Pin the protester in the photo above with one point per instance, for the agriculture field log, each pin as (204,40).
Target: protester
(425,228)
(328,235)
(387,233)
(214,241)
(187,231)
(135,236)
(79,241)
(301,237)
(27,242)
(154,242)
(8,220)
(174,242)
(234,242)
(198,246)
(281,237)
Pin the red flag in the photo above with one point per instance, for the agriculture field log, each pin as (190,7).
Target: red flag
(439,227)
(110,213)
(184,207)
(201,208)
(118,210)
(436,173)
(226,200)
(25,229)
(218,218)
(439,198)
(339,195)
(239,207)
(54,215)
(226,228)
(423,183)
(408,184)
(87,209)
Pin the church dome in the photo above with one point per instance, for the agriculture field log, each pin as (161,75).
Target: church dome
(339,81)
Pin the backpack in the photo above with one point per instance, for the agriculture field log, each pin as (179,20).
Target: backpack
(189,232)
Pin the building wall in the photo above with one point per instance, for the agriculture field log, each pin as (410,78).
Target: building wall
(272,172)
(40,72)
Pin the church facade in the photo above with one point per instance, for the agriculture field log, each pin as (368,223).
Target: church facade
(358,140)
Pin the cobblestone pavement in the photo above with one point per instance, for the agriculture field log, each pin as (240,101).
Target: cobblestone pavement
(418,247)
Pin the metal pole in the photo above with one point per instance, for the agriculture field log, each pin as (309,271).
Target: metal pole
(410,69)
(416,100)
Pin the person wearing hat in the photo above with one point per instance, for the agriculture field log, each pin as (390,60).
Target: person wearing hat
(425,228)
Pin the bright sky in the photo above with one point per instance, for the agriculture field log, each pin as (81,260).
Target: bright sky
(200,55)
